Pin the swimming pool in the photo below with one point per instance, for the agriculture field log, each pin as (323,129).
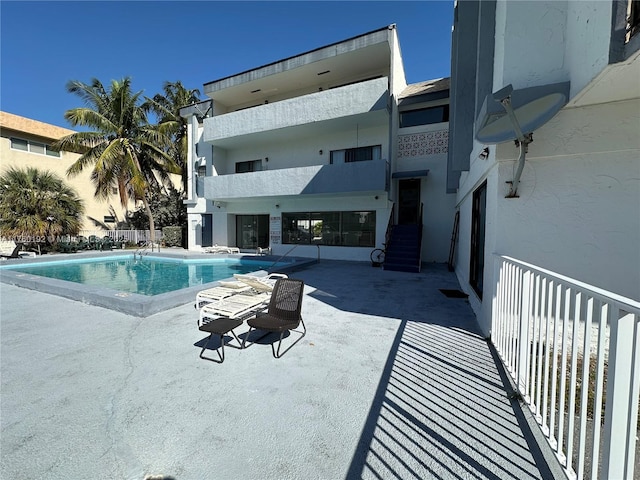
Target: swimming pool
(137,286)
(145,276)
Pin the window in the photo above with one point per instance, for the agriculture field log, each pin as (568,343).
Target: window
(19,144)
(424,116)
(52,153)
(33,147)
(350,229)
(250,166)
(201,173)
(359,154)
(478,222)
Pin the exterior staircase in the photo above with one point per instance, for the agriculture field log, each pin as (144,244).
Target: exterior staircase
(403,249)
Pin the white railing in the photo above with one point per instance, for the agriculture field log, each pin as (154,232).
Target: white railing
(133,236)
(573,351)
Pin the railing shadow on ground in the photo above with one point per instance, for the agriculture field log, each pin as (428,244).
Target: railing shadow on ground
(441,408)
(441,411)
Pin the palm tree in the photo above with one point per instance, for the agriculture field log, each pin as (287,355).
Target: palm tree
(35,203)
(125,151)
(167,108)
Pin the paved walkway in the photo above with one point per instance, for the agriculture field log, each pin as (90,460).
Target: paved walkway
(392,381)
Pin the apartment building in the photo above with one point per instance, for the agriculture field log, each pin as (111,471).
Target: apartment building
(318,154)
(577,207)
(26,143)
(544,156)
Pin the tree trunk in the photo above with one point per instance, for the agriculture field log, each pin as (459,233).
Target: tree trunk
(152,226)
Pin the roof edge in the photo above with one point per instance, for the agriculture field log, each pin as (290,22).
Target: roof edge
(391,26)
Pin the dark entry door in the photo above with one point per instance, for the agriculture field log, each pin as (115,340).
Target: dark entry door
(409,201)
(207,230)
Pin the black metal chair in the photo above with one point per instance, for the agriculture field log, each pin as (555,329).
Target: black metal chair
(220,327)
(15,253)
(283,314)
(18,252)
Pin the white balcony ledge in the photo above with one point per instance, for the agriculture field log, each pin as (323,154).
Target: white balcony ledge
(357,99)
(348,178)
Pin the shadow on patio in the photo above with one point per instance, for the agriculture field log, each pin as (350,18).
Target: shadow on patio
(442,406)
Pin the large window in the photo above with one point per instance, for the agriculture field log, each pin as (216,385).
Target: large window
(359,154)
(250,166)
(424,116)
(33,147)
(478,222)
(350,229)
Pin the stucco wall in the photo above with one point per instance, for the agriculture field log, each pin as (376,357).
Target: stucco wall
(578,211)
(439,210)
(587,41)
(579,207)
(301,151)
(520,25)
(571,41)
(81,183)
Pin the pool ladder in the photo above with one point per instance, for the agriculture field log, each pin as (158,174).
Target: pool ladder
(143,250)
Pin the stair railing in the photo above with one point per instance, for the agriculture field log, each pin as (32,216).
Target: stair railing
(420,224)
(390,224)
(288,252)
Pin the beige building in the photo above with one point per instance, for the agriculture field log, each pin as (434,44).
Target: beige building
(25,143)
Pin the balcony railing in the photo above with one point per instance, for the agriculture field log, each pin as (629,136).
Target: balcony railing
(361,98)
(347,178)
(573,351)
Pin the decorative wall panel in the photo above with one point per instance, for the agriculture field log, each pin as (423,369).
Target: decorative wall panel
(421,144)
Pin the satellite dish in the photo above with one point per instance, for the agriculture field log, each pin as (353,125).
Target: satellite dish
(513,115)
(532,107)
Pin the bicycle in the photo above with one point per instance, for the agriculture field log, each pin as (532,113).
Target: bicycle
(377,257)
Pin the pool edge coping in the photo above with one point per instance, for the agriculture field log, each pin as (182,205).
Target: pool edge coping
(131,303)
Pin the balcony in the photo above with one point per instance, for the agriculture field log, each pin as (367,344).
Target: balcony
(357,178)
(367,99)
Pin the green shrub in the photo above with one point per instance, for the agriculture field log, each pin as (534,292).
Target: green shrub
(172,236)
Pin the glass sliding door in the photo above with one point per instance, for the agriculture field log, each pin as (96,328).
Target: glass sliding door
(252,231)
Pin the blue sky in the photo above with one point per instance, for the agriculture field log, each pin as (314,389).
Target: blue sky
(43,45)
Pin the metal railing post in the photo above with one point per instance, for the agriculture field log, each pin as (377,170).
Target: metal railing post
(621,408)
(523,333)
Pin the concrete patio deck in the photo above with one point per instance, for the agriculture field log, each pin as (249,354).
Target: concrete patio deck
(392,381)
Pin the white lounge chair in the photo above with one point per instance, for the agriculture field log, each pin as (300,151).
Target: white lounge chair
(214,294)
(260,284)
(234,307)
(227,288)
(221,249)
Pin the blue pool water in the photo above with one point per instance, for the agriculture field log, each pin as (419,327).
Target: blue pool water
(146,276)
